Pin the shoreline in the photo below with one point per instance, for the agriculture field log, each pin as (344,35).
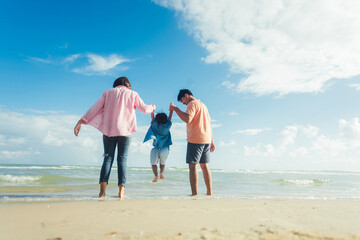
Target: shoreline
(182,219)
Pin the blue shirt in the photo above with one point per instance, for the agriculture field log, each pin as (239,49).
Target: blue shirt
(160,134)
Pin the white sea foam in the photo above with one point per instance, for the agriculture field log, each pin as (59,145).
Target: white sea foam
(50,167)
(305,181)
(249,171)
(19,179)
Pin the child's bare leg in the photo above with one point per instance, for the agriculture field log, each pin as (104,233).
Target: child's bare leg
(155,171)
(121,191)
(102,189)
(162,168)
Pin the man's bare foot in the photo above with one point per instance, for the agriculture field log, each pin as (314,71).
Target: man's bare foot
(155,179)
(162,176)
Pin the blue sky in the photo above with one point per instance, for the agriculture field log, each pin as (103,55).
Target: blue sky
(280,78)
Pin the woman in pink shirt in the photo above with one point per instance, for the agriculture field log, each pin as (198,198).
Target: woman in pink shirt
(114,116)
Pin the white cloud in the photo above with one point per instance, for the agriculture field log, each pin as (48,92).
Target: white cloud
(349,131)
(267,150)
(178,131)
(252,131)
(100,65)
(6,141)
(326,146)
(137,145)
(12,155)
(288,135)
(40,60)
(88,64)
(35,111)
(228,84)
(309,130)
(233,113)
(227,144)
(305,142)
(299,152)
(278,46)
(48,138)
(356,86)
(72,58)
(215,124)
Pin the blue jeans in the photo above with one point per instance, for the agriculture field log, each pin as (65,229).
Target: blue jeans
(109,152)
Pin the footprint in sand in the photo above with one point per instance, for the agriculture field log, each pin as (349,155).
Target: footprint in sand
(111,234)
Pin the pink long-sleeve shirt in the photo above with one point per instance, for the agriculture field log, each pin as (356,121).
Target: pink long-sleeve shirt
(114,113)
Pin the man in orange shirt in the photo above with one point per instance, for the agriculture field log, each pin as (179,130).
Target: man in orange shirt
(199,137)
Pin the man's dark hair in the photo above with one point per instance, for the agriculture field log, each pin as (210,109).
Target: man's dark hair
(183,92)
(122,81)
(161,118)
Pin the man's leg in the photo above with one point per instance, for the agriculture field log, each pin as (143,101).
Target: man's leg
(207,177)
(194,178)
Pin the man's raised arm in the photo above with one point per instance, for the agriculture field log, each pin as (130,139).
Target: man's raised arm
(182,115)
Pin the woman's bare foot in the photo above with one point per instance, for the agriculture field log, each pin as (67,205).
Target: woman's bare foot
(162,176)
(155,179)
(121,191)
(102,189)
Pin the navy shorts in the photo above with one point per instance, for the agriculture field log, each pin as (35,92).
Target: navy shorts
(198,153)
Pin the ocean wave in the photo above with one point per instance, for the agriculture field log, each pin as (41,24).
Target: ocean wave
(302,181)
(298,172)
(175,169)
(40,180)
(50,199)
(19,179)
(50,167)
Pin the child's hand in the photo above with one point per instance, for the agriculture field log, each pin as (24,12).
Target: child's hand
(172,107)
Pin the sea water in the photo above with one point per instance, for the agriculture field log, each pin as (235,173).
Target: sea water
(34,183)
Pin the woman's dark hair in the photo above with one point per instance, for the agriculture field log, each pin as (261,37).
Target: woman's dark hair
(161,118)
(183,92)
(122,81)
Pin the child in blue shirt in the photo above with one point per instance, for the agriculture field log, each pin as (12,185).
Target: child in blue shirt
(159,131)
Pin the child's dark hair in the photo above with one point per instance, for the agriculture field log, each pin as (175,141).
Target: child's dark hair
(161,118)
(183,92)
(122,81)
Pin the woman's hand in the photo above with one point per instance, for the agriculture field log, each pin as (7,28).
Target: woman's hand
(78,127)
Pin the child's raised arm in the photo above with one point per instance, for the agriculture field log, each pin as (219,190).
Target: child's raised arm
(170,115)
(152,114)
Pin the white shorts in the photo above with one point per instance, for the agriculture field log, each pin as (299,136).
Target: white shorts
(159,155)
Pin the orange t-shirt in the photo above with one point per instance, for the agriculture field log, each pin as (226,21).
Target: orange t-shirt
(199,126)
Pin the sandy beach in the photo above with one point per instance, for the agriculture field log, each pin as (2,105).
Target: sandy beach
(182,219)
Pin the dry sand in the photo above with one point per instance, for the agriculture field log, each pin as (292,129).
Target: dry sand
(182,219)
